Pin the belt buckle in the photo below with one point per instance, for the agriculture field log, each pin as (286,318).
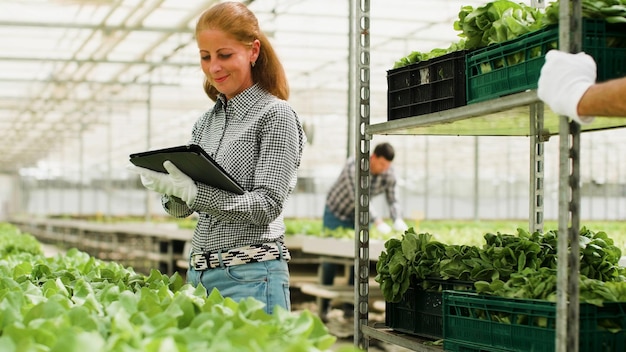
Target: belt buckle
(200,262)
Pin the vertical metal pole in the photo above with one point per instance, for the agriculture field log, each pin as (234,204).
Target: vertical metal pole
(16,206)
(537,158)
(148,214)
(562,246)
(426,178)
(573,290)
(351,79)
(48,184)
(109,182)
(63,190)
(591,176)
(508,195)
(570,34)
(81,167)
(618,181)
(607,183)
(536,168)
(569,225)
(362,178)
(476,179)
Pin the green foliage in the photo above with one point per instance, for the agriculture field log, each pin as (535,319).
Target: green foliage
(74,302)
(13,241)
(613,11)
(314,227)
(418,56)
(302,227)
(496,22)
(502,265)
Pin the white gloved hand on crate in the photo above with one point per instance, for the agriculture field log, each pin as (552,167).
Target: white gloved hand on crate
(563,80)
(173,183)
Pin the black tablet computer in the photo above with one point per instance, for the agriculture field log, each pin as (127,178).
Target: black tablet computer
(193,161)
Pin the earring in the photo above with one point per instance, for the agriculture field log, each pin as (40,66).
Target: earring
(253,63)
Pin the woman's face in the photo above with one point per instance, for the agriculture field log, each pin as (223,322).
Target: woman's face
(226,62)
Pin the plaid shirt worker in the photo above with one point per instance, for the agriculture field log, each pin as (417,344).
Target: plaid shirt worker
(258,139)
(340,198)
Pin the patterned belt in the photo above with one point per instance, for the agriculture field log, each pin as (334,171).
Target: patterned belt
(242,255)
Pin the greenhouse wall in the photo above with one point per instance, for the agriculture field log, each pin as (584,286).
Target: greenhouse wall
(451,201)
(436,180)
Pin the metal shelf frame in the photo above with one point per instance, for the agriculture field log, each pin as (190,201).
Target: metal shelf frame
(360,78)
(491,113)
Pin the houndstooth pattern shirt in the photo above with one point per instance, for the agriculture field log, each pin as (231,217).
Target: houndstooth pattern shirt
(258,139)
(340,197)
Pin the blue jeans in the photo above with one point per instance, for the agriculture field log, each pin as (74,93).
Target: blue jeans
(331,222)
(329,270)
(266,281)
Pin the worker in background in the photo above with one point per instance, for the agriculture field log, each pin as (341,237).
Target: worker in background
(340,207)
(567,83)
(238,244)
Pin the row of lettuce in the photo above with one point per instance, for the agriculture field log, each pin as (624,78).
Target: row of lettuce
(502,20)
(521,265)
(74,302)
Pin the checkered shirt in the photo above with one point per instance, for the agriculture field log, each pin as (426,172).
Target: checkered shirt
(258,139)
(340,197)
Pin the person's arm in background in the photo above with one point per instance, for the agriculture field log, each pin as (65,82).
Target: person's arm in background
(394,206)
(567,83)
(604,99)
(379,222)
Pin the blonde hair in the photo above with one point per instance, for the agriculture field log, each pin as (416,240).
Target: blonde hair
(237,20)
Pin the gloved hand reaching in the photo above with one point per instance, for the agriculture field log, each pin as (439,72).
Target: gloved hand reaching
(563,80)
(400,225)
(174,183)
(383,228)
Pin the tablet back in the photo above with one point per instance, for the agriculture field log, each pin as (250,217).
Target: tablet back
(193,161)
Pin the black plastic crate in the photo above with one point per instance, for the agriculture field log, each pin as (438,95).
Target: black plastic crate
(428,86)
(420,311)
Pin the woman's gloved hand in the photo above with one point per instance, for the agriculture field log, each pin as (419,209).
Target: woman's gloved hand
(174,183)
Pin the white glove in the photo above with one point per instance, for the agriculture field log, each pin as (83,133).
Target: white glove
(383,228)
(563,80)
(400,225)
(174,182)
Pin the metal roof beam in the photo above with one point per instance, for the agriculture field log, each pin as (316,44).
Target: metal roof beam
(89,82)
(96,27)
(99,61)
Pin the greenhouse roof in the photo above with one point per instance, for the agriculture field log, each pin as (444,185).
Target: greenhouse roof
(84,83)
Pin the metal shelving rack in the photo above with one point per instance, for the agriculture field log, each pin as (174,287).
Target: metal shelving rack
(491,118)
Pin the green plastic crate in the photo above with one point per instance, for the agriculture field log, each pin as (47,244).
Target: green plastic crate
(420,312)
(514,66)
(473,322)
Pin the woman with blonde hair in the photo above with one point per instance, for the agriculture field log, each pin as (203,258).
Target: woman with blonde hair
(253,133)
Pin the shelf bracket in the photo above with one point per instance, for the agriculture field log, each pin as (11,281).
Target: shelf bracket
(568,300)
(536,168)
(359,61)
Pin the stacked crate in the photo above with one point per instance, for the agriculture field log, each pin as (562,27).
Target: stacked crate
(465,77)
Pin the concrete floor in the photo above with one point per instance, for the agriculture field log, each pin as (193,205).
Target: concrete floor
(343,329)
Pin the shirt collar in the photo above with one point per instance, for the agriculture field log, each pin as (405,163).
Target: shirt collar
(244,100)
